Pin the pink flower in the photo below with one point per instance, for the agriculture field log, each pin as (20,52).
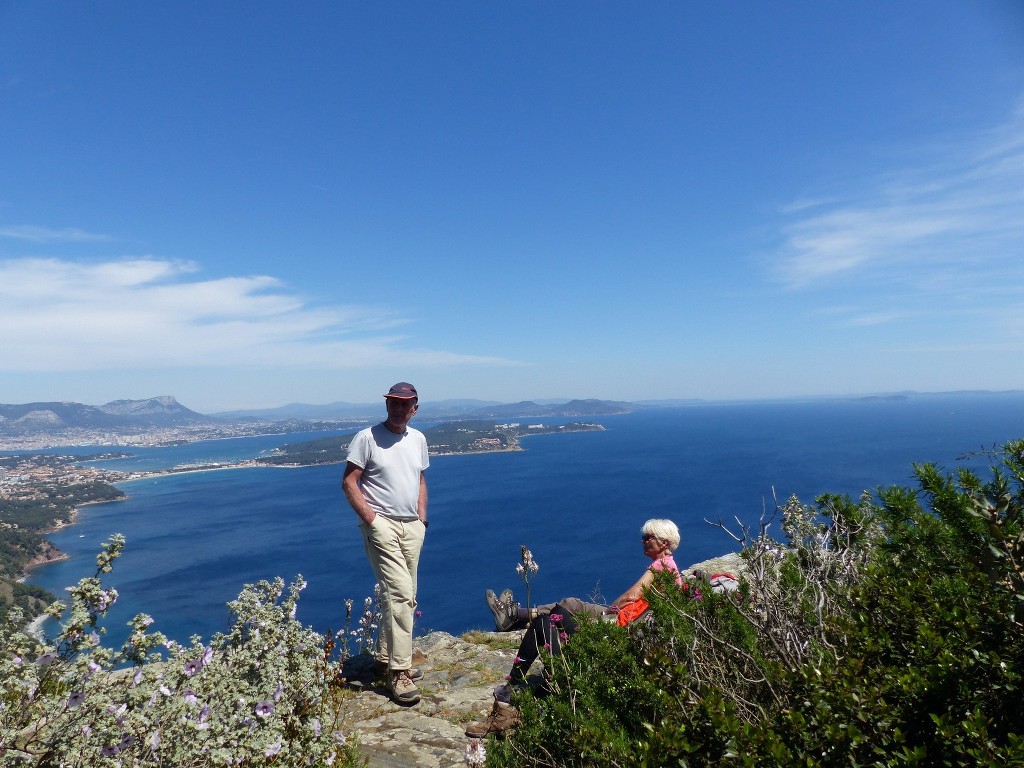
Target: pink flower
(556,617)
(563,636)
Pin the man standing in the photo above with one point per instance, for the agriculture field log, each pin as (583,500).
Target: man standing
(385,485)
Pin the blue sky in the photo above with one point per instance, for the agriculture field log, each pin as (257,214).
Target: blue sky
(251,204)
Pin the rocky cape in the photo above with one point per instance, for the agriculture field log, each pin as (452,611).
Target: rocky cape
(459,675)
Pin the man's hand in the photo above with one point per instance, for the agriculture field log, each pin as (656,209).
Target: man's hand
(354,494)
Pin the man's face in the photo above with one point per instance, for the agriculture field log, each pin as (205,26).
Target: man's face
(400,410)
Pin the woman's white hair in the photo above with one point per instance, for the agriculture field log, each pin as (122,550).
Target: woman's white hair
(665,530)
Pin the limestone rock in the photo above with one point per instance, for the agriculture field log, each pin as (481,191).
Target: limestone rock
(459,676)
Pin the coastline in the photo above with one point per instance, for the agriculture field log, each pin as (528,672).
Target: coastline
(34,628)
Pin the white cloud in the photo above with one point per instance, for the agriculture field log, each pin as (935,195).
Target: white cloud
(60,315)
(956,217)
(46,235)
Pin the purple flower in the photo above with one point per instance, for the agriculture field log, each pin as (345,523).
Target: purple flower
(191,667)
(273,749)
(109,751)
(137,677)
(278,691)
(204,713)
(315,725)
(189,696)
(419,614)
(76,698)
(207,655)
(264,708)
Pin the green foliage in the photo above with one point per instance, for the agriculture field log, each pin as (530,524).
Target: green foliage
(55,503)
(885,632)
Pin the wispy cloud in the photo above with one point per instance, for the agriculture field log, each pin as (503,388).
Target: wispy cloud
(61,315)
(47,235)
(951,221)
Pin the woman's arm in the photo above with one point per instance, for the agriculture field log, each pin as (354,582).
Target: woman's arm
(636,591)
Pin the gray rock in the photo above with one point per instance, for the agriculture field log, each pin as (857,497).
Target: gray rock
(459,675)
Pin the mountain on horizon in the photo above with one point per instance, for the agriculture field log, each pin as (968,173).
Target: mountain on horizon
(440,409)
(344,410)
(163,411)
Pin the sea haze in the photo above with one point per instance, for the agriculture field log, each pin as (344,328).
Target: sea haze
(577,500)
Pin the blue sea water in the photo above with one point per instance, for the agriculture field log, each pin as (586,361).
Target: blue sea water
(577,500)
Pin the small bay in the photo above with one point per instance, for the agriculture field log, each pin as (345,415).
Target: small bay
(577,500)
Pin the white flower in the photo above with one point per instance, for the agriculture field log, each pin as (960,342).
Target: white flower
(476,753)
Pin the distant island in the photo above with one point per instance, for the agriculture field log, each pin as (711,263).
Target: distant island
(450,438)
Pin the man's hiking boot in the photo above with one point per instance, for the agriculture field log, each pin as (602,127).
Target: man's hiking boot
(506,612)
(503,717)
(403,690)
(380,669)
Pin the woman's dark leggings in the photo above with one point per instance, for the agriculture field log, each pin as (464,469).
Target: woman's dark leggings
(542,633)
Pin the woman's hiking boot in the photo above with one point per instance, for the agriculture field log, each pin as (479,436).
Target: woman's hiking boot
(506,612)
(503,717)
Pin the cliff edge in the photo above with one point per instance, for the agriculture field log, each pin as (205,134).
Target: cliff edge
(459,675)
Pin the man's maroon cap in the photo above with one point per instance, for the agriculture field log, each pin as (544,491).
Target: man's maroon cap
(403,390)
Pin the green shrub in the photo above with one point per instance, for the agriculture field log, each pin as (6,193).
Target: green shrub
(879,633)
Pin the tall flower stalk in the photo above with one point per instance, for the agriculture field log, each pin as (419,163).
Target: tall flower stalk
(527,569)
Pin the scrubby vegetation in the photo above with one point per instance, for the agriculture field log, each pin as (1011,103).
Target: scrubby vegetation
(882,632)
(266,692)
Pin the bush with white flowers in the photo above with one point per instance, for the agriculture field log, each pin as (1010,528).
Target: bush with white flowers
(264,693)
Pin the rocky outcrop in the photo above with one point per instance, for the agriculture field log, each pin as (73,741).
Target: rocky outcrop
(459,676)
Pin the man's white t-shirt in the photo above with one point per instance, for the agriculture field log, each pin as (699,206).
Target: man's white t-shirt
(391,467)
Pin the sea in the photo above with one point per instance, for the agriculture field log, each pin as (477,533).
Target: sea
(576,500)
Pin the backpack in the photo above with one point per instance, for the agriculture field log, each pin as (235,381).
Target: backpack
(723,582)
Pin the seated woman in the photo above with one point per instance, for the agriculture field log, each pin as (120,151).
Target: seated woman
(549,625)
